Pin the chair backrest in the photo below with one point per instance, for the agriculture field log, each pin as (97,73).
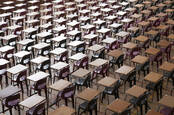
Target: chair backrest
(159,56)
(45,51)
(62,44)
(105,68)
(102,54)
(64,57)
(45,65)
(77,37)
(68,92)
(157,38)
(93,41)
(168,49)
(26,59)
(8,54)
(28,47)
(80,48)
(41,84)
(64,73)
(120,59)
(12,100)
(117,85)
(21,76)
(84,62)
(132,75)
(39,109)
(114,45)
(93,102)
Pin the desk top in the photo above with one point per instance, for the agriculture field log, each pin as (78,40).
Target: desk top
(153,77)
(39,60)
(107,81)
(140,59)
(96,47)
(167,66)
(8,91)
(17,69)
(38,76)
(152,51)
(125,70)
(118,106)
(152,112)
(116,53)
(80,73)
(59,65)
(60,85)
(78,56)
(32,101)
(63,110)
(167,101)
(88,94)
(136,91)
(98,62)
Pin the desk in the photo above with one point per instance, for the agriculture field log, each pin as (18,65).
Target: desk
(98,62)
(63,110)
(32,101)
(136,91)
(167,101)
(118,106)
(60,85)
(107,81)
(16,69)
(152,51)
(3,61)
(8,91)
(140,59)
(125,70)
(163,43)
(152,112)
(96,48)
(116,53)
(141,38)
(38,76)
(129,45)
(24,42)
(59,66)
(153,77)
(81,73)
(77,56)
(166,66)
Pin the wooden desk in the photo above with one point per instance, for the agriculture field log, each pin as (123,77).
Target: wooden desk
(60,85)
(116,53)
(163,43)
(166,66)
(136,91)
(32,101)
(167,101)
(118,106)
(153,77)
(140,59)
(81,73)
(98,62)
(88,94)
(77,56)
(8,91)
(122,34)
(38,76)
(152,51)
(141,38)
(59,65)
(171,37)
(17,69)
(129,45)
(125,70)
(63,110)
(107,81)
(96,48)
(152,112)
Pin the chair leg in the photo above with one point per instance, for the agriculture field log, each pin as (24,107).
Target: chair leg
(19,109)
(26,83)
(45,92)
(10,110)
(72,101)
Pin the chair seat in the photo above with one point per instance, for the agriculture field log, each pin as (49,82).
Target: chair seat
(79,81)
(108,90)
(150,86)
(85,105)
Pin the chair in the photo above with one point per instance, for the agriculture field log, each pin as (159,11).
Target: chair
(132,79)
(112,90)
(63,57)
(114,46)
(77,37)
(3,72)
(156,87)
(88,106)
(118,61)
(158,59)
(156,39)
(102,70)
(45,66)
(12,42)
(63,73)
(126,112)
(93,42)
(169,75)
(134,52)
(98,55)
(37,110)
(123,40)
(140,101)
(146,44)
(62,44)
(67,93)
(166,111)
(83,82)
(9,55)
(80,48)
(168,51)
(19,79)
(81,64)
(145,68)
(39,85)
(45,51)
(12,101)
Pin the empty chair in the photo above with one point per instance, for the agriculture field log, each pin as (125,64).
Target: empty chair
(62,44)
(158,59)
(97,55)
(19,79)
(39,86)
(37,110)
(63,57)
(88,107)
(118,61)
(112,90)
(3,72)
(12,101)
(145,68)
(81,64)
(45,66)
(83,82)
(167,51)
(45,51)
(77,37)
(67,93)
(9,56)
